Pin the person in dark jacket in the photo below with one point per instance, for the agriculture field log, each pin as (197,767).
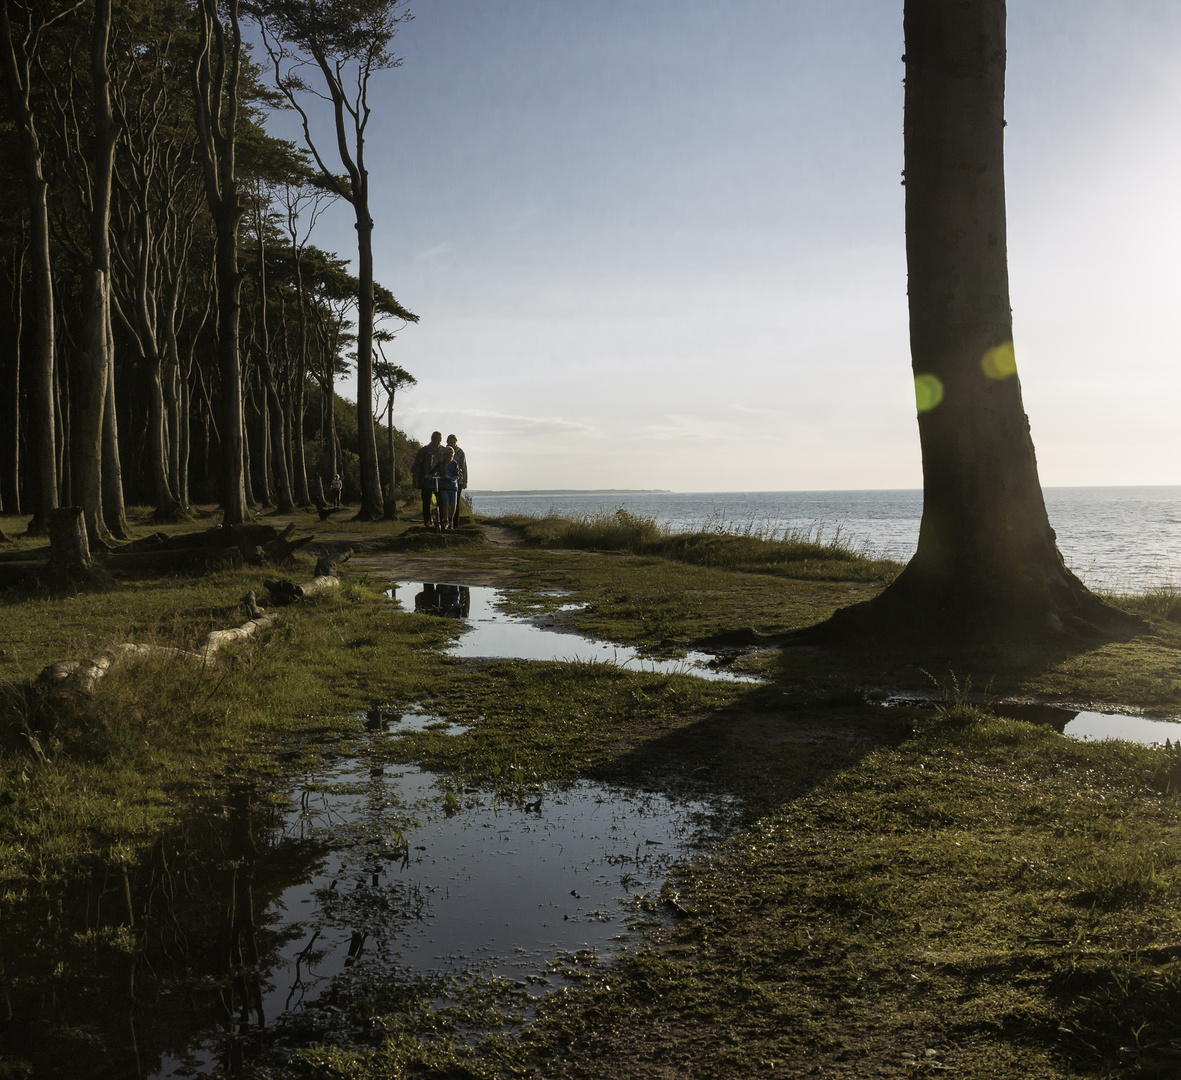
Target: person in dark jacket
(446,474)
(422,472)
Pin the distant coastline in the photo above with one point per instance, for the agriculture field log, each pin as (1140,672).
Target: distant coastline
(577,491)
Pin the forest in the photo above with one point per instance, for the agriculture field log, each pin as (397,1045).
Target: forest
(170,334)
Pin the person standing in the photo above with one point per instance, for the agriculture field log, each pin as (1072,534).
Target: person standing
(422,473)
(335,487)
(461,463)
(447,476)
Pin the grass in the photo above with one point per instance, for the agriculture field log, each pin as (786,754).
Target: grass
(985,897)
(751,547)
(909,891)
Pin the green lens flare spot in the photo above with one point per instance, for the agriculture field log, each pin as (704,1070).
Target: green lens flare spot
(1000,361)
(928,392)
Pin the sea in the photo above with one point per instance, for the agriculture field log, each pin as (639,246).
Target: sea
(1117,539)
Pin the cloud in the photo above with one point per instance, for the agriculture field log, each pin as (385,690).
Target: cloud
(513,423)
(434,252)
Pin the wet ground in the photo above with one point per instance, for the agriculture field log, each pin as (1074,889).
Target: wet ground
(287,916)
(493,633)
(291,916)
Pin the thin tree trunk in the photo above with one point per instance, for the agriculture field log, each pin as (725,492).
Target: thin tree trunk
(43,443)
(18,293)
(114,510)
(371,505)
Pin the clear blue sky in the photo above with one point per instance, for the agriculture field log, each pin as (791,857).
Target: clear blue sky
(659,243)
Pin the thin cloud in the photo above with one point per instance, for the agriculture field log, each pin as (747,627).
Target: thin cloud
(514,423)
(434,252)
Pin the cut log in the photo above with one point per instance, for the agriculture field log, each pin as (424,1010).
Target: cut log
(287,592)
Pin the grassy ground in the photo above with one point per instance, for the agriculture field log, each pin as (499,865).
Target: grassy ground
(910,892)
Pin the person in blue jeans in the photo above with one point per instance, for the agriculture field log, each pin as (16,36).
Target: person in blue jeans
(446,473)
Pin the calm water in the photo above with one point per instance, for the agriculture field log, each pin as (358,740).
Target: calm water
(1122,538)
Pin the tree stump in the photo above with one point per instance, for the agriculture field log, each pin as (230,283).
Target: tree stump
(69,551)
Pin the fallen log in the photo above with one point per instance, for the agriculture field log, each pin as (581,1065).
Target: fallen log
(287,592)
(80,676)
(23,572)
(25,555)
(171,561)
(74,677)
(218,639)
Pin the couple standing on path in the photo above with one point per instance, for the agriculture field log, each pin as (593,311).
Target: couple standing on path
(440,473)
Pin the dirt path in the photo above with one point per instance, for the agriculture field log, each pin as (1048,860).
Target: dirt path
(491,563)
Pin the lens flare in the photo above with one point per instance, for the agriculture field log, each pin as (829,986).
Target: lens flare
(1000,361)
(928,392)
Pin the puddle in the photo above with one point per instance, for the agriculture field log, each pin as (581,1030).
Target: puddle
(366,889)
(495,634)
(1075,723)
(406,722)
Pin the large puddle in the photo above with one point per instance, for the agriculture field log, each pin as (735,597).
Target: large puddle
(493,633)
(366,888)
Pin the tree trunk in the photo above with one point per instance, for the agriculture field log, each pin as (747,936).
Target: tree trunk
(215,84)
(18,293)
(987,568)
(371,505)
(92,360)
(90,380)
(114,510)
(391,506)
(43,443)
(298,454)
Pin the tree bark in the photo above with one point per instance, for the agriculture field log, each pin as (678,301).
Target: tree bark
(371,502)
(987,568)
(93,360)
(114,510)
(17,62)
(215,79)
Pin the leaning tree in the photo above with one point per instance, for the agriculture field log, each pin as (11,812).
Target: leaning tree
(987,567)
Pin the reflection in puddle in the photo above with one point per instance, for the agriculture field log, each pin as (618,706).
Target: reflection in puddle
(410,721)
(265,925)
(1077,724)
(423,880)
(494,634)
(1137,729)
(453,601)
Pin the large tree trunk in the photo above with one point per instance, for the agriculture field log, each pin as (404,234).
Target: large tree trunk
(987,566)
(215,83)
(92,361)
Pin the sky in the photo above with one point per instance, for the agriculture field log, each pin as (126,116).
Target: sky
(659,243)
